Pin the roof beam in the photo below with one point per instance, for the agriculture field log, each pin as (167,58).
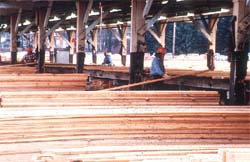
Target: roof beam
(18,19)
(202,29)
(54,27)
(204,22)
(66,40)
(48,14)
(150,22)
(16,5)
(155,36)
(116,35)
(93,25)
(25,30)
(86,15)
(147,8)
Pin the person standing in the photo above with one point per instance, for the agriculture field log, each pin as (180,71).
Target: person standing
(210,60)
(30,57)
(107,59)
(157,69)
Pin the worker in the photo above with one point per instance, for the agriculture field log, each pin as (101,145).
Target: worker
(30,57)
(157,69)
(210,59)
(107,59)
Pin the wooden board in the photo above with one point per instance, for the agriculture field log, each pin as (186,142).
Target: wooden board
(102,98)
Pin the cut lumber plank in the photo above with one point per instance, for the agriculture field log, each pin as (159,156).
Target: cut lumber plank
(101,98)
(15,82)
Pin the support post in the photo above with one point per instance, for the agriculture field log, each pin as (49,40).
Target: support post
(124,45)
(174,39)
(162,34)
(137,42)
(240,55)
(13,39)
(72,50)
(80,29)
(52,48)
(41,12)
(94,35)
(213,21)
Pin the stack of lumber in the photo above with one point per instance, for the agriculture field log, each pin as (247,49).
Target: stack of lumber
(17,69)
(210,74)
(105,98)
(171,153)
(15,82)
(154,133)
(171,72)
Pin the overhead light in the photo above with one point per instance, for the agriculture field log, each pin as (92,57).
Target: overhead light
(19,24)
(71,28)
(93,13)
(119,22)
(71,16)
(128,22)
(224,10)
(86,26)
(26,22)
(164,2)
(190,14)
(162,18)
(60,29)
(55,18)
(115,10)
(3,26)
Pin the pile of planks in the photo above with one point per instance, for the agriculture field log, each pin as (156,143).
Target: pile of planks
(17,82)
(171,153)
(133,133)
(170,72)
(106,98)
(17,69)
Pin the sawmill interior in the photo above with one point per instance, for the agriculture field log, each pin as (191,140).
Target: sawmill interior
(61,102)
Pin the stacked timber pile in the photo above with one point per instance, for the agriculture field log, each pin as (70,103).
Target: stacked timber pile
(210,74)
(120,133)
(16,82)
(17,69)
(123,70)
(105,98)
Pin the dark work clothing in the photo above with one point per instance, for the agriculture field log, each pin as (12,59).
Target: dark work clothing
(210,60)
(157,67)
(107,60)
(29,58)
(157,71)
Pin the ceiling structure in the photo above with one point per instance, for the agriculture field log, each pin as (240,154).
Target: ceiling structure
(118,11)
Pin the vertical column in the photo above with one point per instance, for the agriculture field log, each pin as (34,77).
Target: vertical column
(72,50)
(174,38)
(239,58)
(136,43)
(52,48)
(162,34)
(80,42)
(41,39)
(213,27)
(13,39)
(124,45)
(94,35)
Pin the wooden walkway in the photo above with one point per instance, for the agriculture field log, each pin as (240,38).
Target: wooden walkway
(171,72)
